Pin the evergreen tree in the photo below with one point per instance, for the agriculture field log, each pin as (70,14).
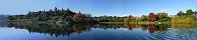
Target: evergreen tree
(189,12)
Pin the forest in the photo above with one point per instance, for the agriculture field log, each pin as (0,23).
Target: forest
(53,16)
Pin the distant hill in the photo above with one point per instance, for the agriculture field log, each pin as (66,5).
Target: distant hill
(53,16)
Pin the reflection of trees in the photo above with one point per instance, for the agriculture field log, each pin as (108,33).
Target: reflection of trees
(111,26)
(116,26)
(161,31)
(79,28)
(3,23)
(66,30)
(161,27)
(130,26)
(143,26)
(152,28)
(52,29)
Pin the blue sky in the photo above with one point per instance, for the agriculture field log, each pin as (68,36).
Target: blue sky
(99,7)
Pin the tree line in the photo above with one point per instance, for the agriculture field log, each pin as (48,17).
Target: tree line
(188,17)
(55,16)
(68,16)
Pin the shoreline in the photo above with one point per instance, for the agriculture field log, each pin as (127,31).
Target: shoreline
(135,23)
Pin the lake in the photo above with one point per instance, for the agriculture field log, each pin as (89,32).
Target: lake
(33,31)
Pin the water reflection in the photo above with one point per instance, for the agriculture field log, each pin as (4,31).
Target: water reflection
(130,26)
(57,30)
(152,28)
(159,31)
(64,29)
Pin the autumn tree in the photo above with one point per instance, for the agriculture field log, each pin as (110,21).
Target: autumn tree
(126,21)
(152,17)
(78,17)
(133,19)
(130,19)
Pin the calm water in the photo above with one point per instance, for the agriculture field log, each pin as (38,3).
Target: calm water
(25,31)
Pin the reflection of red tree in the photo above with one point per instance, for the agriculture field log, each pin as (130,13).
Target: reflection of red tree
(80,28)
(76,28)
(152,28)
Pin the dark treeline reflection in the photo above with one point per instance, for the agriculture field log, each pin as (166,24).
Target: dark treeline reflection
(52,29)
(68,29)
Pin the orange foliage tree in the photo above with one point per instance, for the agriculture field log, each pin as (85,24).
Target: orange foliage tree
(79,17)
(131,19)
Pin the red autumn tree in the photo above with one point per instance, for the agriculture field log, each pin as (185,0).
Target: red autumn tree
(152,17)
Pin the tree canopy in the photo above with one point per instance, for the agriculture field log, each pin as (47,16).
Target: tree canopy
(152,17)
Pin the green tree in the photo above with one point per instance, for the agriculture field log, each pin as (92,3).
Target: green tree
(50,11)
(195,12)
(116,19)
(142,18)
(162,15)
(189,12)
(180,13)
(55,9)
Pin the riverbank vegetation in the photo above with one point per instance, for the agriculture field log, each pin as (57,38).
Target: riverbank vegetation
(189,17)
(67,16)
